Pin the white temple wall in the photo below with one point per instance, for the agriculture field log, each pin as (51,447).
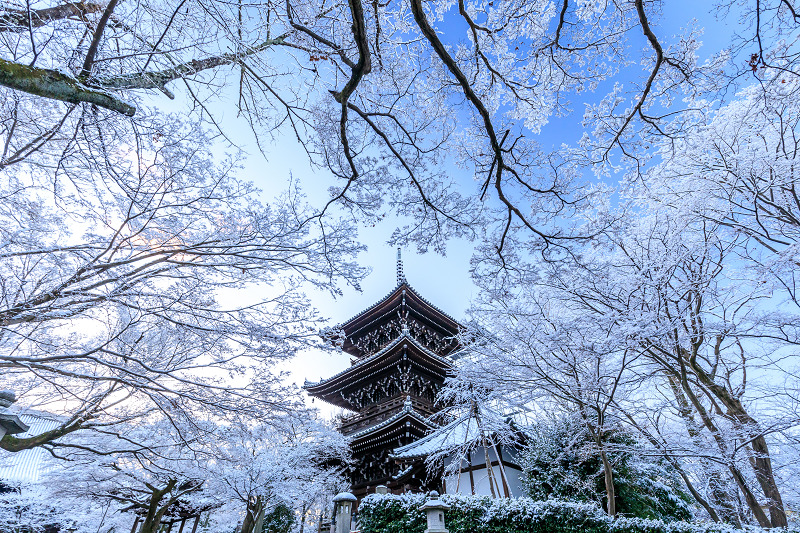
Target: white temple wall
(479,458)
(460,483)
(514,481)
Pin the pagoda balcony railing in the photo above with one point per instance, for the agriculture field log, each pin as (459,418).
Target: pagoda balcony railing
(379,412)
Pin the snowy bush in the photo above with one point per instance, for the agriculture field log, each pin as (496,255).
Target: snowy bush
(561,461)
(35,508)
(482,514)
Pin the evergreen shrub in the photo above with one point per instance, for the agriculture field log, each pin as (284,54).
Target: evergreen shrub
(561,462)
(279,520)
(482,514)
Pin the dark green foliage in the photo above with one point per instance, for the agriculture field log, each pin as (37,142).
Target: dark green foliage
(394,514)
(481,514)
(279,520)
(562,462)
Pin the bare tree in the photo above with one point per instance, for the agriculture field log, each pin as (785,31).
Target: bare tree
(537,356)
(120,264)
(706,343)
(383,106)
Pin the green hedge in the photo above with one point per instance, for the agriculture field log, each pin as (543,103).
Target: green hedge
(481,514)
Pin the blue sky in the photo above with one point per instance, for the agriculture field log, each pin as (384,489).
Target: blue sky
(445,281)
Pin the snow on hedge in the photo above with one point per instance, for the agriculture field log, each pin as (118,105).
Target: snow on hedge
(482,514)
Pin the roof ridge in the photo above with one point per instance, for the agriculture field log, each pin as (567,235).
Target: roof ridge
(437,432)
(361,361)
(432,305)
(400,284)
(373,306)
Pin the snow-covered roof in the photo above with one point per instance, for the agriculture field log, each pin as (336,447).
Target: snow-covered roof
(406,411)
(402,284)
(27,466)
(404,336)
(457,433)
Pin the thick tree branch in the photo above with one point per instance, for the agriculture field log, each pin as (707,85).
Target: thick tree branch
(58,86)
(11,443)
(18,19)
(88,61)
(158,79)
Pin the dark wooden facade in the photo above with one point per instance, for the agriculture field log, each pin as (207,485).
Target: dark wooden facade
(399,350)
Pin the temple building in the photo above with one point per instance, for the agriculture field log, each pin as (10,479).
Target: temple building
(477,462)
(401,351)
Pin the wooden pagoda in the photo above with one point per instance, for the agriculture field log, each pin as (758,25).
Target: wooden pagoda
(400,352)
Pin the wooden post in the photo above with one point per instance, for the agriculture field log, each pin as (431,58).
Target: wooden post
(194,529)
(503,477)
(471,478)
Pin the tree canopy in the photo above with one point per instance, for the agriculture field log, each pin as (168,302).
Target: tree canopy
(641,271)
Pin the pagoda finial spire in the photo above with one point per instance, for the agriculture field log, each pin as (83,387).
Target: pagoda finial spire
(401,277)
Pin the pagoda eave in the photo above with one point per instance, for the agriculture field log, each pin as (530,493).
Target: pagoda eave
(390,301)
(404,348)
(389,432)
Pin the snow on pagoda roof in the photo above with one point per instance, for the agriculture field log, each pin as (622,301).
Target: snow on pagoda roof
(404,336)
(401,281)
(403,285)
(406,411)
(460,432)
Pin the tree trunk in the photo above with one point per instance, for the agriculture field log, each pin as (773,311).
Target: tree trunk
(609,480)
(762,463)
(750,499)
(155,511)
(721,498)
(596,432)
(489,471)
(303,518)
(254,508)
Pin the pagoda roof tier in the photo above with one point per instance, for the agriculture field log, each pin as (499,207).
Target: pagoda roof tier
(407,420)
(402,301)
(406,412)
(363,371)
(379,412)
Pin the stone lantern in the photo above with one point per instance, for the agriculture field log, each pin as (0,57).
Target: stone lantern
(9,423)
(434,509)
(342,512)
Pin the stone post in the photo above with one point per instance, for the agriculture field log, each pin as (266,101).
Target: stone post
(9,423)
(434,509)
(381,489)
(342,512)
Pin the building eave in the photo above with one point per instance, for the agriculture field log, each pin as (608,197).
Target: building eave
(354,324)
(406,412)
(12,424)
(325,386)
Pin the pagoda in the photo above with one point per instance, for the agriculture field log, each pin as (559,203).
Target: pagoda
(400,351)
